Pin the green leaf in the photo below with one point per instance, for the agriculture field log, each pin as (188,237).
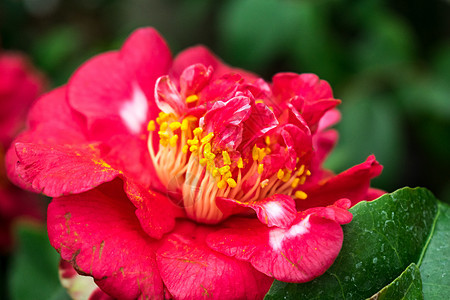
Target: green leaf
(34,270)
(407,286)
(435,267)
(385,236)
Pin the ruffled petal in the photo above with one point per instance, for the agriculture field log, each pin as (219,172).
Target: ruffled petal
(115,90)
(202,55)
(299,253)
(99,234)
(57,170)
(353,184)
(191,270)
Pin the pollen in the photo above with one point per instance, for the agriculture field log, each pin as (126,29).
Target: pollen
(295,183)
(231,182)
(224,170)
(193,148)
(174,126)
(240,163)
(267,140)
(221,184)
(198,131)
(185,149)
(173,140)
(255,153)
(301,170)
(286,176)
(264,183)
(191,98)
(192,142)
(280,174)
(151,126)
(163,135)
(185,124)
(260,168)
(207,138)
(259,101)
(163,126)
(226,158)
(301,195)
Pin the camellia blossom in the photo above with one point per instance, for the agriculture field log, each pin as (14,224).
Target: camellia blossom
(20,85)
(187,178)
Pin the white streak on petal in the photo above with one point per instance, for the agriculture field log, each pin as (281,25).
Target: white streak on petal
(274,209)
(134,111)
(278,235)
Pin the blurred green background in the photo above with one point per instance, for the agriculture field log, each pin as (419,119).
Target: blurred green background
(389,61)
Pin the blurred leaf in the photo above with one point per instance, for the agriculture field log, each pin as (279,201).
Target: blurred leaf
(34,269)
(408,286)
(249,38)
(435,267)
(386,44)
(384,237)
(371,124)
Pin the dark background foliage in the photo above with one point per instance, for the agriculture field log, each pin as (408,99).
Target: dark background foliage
(389,61)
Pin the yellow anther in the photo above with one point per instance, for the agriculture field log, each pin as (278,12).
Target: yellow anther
(192,118)
(261,154)
(215,172)
(203,161)
(198,131)
(185,124)
(271,108)
(264,183)
(259,101)
(255,153)
(280,174)
(226,158)
(191,98)
(240,163)
(210,156)
(164,142)
(231,182)
(224,170)
(207,138)
(192,142)
(163,135)
(185,149)
(163,126)
(301,195)
(158,120)
(267,140)
(221,184)
(286,176)
(151,126)
(207,148)
(173,140)
(302,179)
(174,126)
(193,148)
(260,168)
(301,170)
(295,183)
(308,173)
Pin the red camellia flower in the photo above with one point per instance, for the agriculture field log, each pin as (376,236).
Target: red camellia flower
(188,178)
(20,85)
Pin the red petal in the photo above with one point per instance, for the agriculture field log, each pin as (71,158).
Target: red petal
(191,270)
(201,55)
(353,184)
(194,78)
(299,253)
(155,212)
(116,89)
(167,97)
(99,234)
(57,170)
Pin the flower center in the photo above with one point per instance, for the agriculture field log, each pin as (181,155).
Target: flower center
(187,163)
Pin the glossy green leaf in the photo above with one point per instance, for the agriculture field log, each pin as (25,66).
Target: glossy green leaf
(34,269)
(408,286)
(435,266)
(385,236)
